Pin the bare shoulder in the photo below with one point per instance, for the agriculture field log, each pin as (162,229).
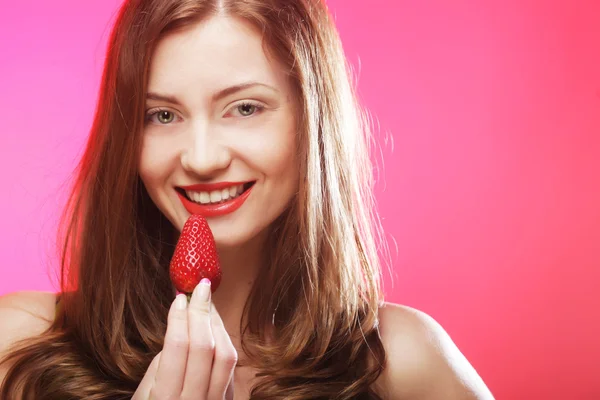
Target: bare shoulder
(423,363)
(24,314)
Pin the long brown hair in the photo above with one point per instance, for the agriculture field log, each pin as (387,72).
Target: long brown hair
(323,280)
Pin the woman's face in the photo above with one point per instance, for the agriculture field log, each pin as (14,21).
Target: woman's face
(220,120)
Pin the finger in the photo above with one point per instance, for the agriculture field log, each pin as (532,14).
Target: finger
(171,368)
(202,344)
(229,392)
(143,390)
(225,359)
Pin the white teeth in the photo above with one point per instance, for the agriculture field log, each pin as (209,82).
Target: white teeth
(194,196)
(204,197)
(224,194)
(216,196)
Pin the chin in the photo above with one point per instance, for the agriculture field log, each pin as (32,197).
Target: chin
(230,239)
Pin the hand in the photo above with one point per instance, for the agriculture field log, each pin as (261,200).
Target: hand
(198,359)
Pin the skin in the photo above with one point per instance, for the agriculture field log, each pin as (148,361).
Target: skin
(208,141)
(198,137)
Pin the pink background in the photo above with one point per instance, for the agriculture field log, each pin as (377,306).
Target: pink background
(490,188)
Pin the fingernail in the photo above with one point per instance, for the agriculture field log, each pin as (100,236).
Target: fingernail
(203,290)
(181,302)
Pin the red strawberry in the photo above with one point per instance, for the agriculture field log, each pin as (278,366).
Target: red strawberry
(195,257)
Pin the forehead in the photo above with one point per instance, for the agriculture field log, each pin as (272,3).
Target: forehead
(213,53)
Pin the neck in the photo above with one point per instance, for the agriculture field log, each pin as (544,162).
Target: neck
(240,267)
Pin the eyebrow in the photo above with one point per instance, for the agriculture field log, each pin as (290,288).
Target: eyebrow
(216,97)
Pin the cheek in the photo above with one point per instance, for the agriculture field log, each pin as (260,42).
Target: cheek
(276,151)
(286,157)
(279,158)
(156,157)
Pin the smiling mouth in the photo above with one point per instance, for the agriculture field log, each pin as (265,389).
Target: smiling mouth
(215,196)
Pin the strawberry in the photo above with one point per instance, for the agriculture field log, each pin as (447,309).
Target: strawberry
(195,257)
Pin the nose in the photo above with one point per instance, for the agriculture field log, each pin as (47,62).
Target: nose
(203,154)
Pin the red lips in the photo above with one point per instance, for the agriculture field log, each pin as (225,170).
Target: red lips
(214,210)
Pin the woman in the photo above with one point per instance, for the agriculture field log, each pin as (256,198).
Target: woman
(242,111)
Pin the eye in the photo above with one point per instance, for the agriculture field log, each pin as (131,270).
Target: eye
(247,108)
(160,117)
